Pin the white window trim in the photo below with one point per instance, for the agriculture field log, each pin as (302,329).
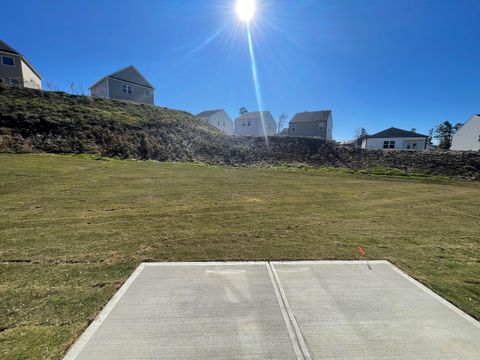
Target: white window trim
(18,85)
(11,57)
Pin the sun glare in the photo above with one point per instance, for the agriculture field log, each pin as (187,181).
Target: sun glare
(246,9)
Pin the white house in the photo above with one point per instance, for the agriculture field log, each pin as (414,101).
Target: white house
(395,139)
(467,138)
(260,123)
(219,119)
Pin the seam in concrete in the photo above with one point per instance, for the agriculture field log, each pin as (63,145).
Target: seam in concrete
(78,346)
(292,326)
(435,296)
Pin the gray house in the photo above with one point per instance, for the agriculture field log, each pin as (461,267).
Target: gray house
(125,84)
(219,119)
(312,124)
(15,70)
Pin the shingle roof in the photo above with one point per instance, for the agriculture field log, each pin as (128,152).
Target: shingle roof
(7,48)
(208,113)
(311,116)
(396,133)
(253,115)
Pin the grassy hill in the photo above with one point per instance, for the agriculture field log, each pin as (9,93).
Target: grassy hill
(54,122)
(72,229)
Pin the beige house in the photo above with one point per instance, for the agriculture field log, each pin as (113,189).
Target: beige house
(126,84)
(312,124)
(15,70)
(219,119)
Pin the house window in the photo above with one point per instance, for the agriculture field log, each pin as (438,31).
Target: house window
(248,123)
(127,89)
(148,93)
(294,127)
(243,124)
(7,60)
(14,82)
(389,144)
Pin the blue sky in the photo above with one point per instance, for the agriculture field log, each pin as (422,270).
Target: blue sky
(375,63)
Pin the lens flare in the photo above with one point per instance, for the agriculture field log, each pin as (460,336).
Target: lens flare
(256,81)
(246,9)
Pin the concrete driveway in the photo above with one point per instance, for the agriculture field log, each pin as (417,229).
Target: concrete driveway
(277,310)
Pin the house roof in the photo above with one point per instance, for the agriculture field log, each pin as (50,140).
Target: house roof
(396,133)
(8,49)
(129,74)
(254,115)
(208,113)
(311,116)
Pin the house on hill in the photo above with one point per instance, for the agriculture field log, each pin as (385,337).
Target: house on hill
(15,70)
(259,123)
(312,124)
(395,139)
(467,138)
(126,84)
(219,119)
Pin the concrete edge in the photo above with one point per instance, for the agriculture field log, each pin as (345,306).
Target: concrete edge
(435,296)
(331,262)
(78,345)
(206,263)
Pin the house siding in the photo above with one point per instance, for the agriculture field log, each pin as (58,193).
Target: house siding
(11,72)
(221,121)
(400,143)
(468,137)
(100,89)
(242,127)
(312,129)
(115,92)
(30,79)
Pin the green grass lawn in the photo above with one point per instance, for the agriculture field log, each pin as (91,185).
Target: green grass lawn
(72,229)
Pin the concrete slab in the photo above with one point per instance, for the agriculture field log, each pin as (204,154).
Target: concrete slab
(347,311)
(191,311)
(279,310)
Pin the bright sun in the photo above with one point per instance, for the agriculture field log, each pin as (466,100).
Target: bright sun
(245,9)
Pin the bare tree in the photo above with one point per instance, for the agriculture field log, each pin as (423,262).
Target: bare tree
(281,121)
(360,132)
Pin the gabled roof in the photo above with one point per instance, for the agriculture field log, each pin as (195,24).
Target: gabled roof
(311,116)
(254,115)
(129,74)
(208,113)
(396,133)
(8,49)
